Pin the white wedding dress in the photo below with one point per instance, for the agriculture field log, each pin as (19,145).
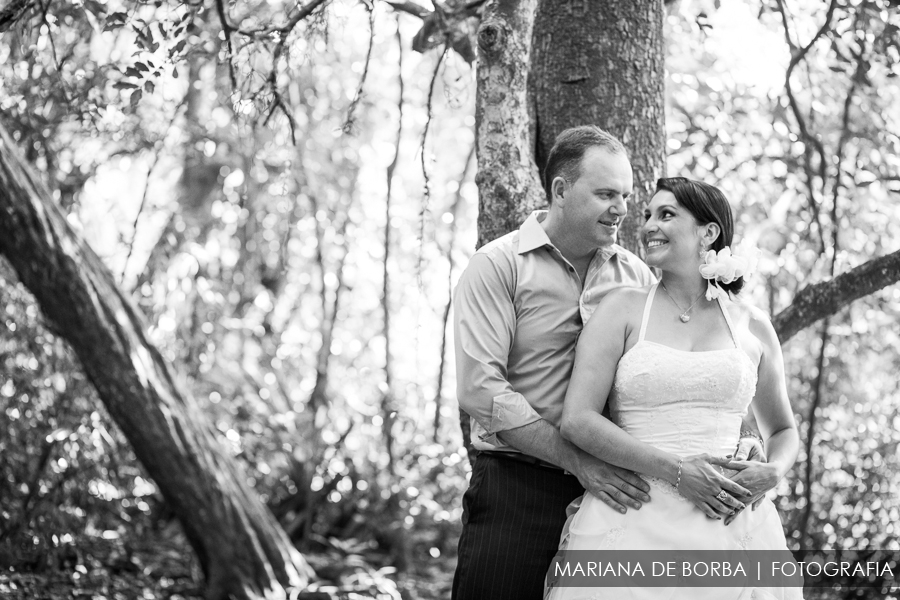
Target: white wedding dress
(686,403)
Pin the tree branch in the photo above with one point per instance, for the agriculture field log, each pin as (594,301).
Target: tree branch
(349,122)
(426,191)
(388,404)
(807,137)
(409,8)
(821,300)
(285,29)
(227,30)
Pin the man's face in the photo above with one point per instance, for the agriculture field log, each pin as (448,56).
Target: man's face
(594,205)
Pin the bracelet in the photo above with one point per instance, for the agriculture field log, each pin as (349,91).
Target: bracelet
(678,477)
(746,433)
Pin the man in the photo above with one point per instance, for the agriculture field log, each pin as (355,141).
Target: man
(517,317)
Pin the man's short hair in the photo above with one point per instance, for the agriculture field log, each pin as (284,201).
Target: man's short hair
(568,150)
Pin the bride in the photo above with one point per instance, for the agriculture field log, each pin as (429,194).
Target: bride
(680,363)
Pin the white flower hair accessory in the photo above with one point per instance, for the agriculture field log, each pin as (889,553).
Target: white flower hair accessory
(725,266)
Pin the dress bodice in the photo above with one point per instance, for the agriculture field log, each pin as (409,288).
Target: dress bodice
(680,401)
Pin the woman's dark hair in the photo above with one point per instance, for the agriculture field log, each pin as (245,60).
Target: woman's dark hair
(708,205)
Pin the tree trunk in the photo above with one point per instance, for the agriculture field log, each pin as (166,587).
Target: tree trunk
(242,549)
(509,186)
(602,62)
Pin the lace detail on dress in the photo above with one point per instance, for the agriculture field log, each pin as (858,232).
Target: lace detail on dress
(745,540)
(683,402)
(612,537)
(663,486)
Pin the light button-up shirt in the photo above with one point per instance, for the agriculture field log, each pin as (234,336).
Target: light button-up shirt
(518,310)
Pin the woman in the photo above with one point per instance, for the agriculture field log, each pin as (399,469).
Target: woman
(680,363)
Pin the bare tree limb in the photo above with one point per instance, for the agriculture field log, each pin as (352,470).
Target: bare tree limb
(134,228)
(805,134)
(451,268)
(349,121)
(410,8)
(810,437)
(821,300)
(285,29)
(227,30)
(388,409)
(426,188)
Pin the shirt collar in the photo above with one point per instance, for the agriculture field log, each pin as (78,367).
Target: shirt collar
(532,236)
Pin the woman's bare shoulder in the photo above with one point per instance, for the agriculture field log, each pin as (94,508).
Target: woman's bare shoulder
(756,320)
(621,306)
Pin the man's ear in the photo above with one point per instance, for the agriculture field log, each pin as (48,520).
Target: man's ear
(558,191)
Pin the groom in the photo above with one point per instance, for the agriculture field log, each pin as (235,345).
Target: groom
(517,318)
(519,307)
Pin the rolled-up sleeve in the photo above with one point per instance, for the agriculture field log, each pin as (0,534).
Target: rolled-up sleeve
(484,326)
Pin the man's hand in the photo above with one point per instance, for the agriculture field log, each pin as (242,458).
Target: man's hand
(750,448)
(615,486)
(758,477)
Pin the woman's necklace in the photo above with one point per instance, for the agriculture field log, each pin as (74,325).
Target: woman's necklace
(685,317)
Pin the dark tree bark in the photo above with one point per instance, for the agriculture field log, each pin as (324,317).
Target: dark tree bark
(820,300)
(242,549)
(602,62)
(509,186)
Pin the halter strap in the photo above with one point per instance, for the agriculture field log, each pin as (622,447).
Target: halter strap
(646,316)
(649,302)
(728,321)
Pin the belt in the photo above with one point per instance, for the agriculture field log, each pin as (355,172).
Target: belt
(524,458)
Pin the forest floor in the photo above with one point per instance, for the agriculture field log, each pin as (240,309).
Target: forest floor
(161,566)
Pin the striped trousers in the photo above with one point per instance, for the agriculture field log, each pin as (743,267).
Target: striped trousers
(513,514)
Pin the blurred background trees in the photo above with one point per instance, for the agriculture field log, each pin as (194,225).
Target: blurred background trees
(288,193)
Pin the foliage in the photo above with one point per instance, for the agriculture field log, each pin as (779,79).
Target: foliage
(811,169)
(237,180)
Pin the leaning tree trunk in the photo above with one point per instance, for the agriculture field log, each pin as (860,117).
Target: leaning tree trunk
(242,549)
(602,62)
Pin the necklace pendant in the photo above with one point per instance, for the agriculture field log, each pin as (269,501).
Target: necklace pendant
(685,318)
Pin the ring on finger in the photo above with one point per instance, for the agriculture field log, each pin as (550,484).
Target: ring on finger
(722,496)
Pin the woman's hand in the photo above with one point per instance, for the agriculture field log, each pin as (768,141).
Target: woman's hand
(711,491)
(757,477)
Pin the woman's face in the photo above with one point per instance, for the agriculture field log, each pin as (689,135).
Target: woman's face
(671,234)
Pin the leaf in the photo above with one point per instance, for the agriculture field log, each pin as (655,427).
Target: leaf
(150,87)
(115,20)
(135,98)
(424,39)
(124,85)
(142,67)
(145,38)
(132,72)
(461,43)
